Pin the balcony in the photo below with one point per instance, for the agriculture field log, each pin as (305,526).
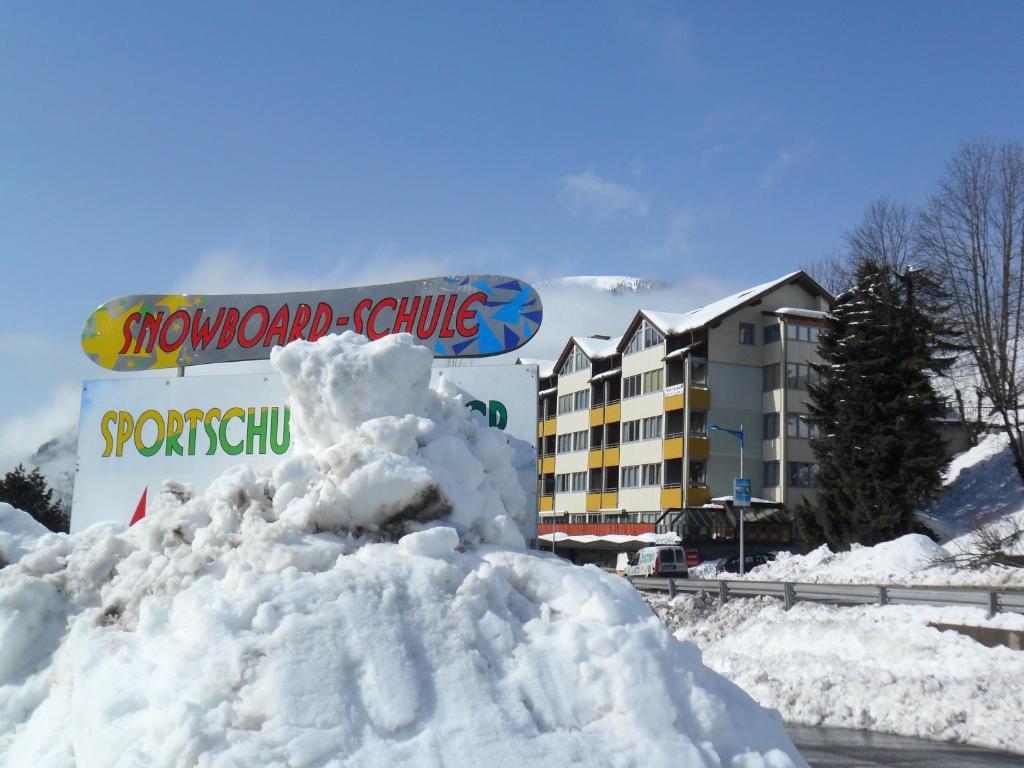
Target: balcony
(547,503)
(546,466)
(609,458)
(546,427)
(603,414)
(700,398)
(699,447)
(672,497)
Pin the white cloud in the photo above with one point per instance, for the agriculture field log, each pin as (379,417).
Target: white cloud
(21,435)
(783,161)
(588,194)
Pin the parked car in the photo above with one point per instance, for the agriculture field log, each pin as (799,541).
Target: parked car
(659,561)
(732,565)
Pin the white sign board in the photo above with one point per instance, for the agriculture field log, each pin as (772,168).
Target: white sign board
(135,433)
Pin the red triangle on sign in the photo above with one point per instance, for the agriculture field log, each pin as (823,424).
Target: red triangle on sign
(140,511)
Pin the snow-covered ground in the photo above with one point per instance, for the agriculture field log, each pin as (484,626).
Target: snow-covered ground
(369,603)
(982,485)
(870,667)
(907,560)
(981,488)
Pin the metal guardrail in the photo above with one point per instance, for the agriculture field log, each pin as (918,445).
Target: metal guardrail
(992,600)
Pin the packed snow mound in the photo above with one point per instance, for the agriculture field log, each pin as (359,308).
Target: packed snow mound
(879,668)
(907,560)
(368,604)
(982,486)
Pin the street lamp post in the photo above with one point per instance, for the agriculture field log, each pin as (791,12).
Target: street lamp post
(737,433)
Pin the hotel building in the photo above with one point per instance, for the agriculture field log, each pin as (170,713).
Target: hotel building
(624,444)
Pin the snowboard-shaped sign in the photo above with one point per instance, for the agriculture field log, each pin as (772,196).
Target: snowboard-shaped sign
(461,316)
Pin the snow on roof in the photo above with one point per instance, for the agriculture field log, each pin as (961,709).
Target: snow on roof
(797,312)
(596,349)
(614,538)
(674,322)
(545,368)
(606,374)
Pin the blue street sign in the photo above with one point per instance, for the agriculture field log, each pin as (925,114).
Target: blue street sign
(741,492)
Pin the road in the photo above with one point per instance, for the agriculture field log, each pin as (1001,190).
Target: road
(845,748)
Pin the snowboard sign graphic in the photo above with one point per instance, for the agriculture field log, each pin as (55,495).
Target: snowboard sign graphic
(459,316)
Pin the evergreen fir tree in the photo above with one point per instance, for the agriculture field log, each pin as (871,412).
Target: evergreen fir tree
(879,450)
(29,492)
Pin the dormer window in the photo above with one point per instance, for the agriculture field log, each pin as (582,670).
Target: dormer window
(646,336)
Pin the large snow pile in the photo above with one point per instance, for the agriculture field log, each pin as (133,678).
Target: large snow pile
(880,668)
(982,486)
(907,560)
(369,603)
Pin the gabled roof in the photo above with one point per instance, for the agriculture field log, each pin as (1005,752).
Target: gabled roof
(545,368)
(670,323)
(594,349)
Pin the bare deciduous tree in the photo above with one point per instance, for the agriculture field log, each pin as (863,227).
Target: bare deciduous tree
(972,235)
(885,235)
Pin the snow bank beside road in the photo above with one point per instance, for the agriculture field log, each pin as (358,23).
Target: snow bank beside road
(366,605)
(903,561)
(870,667)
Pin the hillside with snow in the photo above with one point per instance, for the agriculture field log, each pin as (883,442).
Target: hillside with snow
(369,602)
(613,284)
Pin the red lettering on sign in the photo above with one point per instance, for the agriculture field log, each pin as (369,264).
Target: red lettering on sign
(126,329)
(203,333)
(302,315)
(227,333)
(371,331)
(446,329)
(357,316)
(321,321)
(178,323)
(279,327)
(405,318)
(264,319)
(426,333)
(150,325)
(465,313)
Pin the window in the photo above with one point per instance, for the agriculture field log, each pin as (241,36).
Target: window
(652,380)
(579,440)
(579,481)
(577,361)
(564,403)
(800,375)
(799,425)
(652,337)
(771,426)
(630,477)
(646,336)
(802,474)
(770,377)
(635,343)
(562,483)
(596,437)
(698,372)
(771,474)
(651,474)
(772,334)
(564,443)
(698,423)
(631,431)
(798,332)
(652,427)
(581,400)
(746,333)
(631,386)
(698,474)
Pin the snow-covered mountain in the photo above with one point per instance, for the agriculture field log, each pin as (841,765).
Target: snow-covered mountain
(614,284)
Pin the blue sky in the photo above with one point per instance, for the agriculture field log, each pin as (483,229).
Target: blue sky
(211,146)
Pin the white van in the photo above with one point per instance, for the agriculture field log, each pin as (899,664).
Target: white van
(659,561)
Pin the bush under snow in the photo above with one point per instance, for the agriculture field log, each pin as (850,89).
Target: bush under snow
(369,603)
